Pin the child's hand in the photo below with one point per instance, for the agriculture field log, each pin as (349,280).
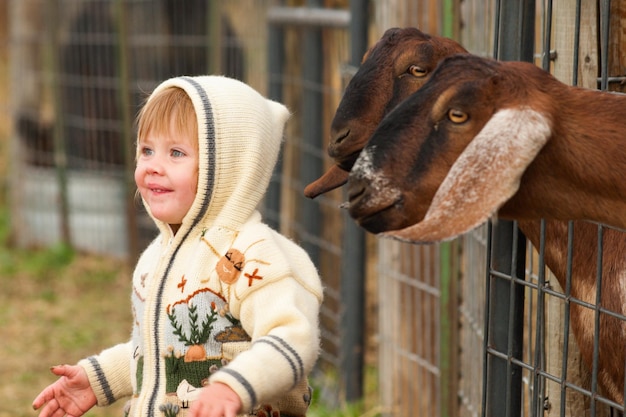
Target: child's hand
(216,400)
(69,395)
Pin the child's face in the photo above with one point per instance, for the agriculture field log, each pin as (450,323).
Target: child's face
(167,175)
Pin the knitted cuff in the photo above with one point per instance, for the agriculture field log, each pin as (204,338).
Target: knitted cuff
(108,375)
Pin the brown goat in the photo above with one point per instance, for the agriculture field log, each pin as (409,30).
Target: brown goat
(483,137)
(396,66)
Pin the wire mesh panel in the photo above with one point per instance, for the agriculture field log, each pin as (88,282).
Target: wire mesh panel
(472,322)
(409,328)
(89,65)
(571,309)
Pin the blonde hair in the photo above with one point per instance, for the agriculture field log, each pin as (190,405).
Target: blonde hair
(169,112)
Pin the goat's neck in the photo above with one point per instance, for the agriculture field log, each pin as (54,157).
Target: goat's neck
(580,173)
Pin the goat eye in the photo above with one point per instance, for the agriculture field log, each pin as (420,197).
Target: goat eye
(417,71)
(457,116)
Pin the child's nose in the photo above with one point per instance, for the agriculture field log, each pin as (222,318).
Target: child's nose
(155,165)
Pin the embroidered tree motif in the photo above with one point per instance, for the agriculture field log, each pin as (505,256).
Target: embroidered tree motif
(198,334)
(170,410)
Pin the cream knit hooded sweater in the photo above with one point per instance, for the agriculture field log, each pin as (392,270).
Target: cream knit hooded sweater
(224,278)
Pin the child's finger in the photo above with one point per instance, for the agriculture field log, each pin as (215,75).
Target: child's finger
(41,399)
(59,370)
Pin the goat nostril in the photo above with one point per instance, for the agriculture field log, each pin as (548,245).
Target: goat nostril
(342,135)
(338,136)
(336,139)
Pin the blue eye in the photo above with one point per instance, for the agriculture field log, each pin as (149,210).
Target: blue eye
(177,154)
(145,151)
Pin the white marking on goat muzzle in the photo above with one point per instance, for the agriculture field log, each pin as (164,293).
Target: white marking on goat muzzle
(483,177)
(383,191)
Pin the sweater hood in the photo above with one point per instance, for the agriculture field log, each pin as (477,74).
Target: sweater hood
(239,136)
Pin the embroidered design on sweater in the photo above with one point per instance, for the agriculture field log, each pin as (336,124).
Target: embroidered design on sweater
(198,333)
(202,336)
(181,284)
(230,266)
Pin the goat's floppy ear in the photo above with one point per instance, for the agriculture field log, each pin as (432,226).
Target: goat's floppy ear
(483,178)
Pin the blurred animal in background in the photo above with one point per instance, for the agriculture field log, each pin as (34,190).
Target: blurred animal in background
(482,138)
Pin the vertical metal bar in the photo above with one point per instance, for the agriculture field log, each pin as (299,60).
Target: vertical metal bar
(487,325)
(311,165)
(514,41)
(576,42)
(537,403)
(276,59)
(596,330)
(496,41)
(547,38)
(605,8)
(568,294)
(60,155)
(516,311)
(123,49)
(515,36)
(605,27)
(353,249)
(624,407)
(504,399)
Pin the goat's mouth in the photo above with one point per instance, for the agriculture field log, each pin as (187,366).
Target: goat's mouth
(346,163)
(377,222)
(376,214)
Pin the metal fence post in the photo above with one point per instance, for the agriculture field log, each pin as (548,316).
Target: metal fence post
(353,247)
(514,41)
(276,58)
(60,156)
(123,50)
(311,167)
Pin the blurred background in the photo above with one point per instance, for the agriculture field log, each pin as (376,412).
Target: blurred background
(403,325)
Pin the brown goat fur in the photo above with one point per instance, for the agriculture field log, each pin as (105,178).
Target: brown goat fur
(571,171)
(396,66)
